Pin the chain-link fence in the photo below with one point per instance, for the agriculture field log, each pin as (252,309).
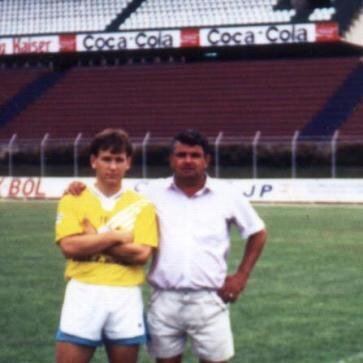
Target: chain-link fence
(233,157)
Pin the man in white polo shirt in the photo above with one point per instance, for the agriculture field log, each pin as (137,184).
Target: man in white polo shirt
(191,288)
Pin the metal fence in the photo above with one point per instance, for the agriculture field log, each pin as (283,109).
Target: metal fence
(233,157)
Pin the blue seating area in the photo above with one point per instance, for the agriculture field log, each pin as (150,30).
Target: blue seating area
(275,97)
(340,106)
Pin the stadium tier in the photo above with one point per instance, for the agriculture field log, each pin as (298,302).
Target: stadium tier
(12,81)
(181,13)
(57,16)
(22,17)
(275,97)
(355,125)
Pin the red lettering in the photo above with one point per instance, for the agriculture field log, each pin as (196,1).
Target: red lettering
(30,46)
(16,45)
(38,193)
(1,182)
(44,46)
(14,187)
(28,187)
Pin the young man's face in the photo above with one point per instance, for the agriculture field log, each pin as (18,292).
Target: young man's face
(189,162)
(110,167)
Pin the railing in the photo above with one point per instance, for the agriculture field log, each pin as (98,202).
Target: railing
(240,157)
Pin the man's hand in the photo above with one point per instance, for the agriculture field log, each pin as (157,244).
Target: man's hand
(75,188)
(236,283)
(232,287)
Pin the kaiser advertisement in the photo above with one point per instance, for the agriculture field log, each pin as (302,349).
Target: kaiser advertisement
(28,45)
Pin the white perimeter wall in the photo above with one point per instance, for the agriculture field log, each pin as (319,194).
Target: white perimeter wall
(258,190)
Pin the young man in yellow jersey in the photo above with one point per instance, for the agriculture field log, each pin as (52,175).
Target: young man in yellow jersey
(107,235)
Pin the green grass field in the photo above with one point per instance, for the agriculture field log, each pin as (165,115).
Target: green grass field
(303,304)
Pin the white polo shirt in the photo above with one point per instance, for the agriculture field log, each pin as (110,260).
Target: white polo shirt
(194,233)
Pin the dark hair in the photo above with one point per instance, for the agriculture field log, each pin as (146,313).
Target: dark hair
(115,140)
(192,138)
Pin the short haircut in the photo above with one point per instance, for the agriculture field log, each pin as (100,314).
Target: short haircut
(192,138)
(114,140)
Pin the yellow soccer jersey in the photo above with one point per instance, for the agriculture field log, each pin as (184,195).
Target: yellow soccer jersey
(131,210)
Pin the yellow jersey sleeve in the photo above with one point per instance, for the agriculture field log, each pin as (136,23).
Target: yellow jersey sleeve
(68,220)
(146,227)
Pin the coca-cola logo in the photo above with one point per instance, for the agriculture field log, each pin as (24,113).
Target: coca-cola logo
(190,38)
(67,43)
(106,42)
(327,32)
(257,35)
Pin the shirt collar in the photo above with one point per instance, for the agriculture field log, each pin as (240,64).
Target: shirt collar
(208,187)
(96,191)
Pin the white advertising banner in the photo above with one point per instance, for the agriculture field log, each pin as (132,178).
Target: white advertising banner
(96,42)
(172,38)
(259,190)
(252,35)
(28,45)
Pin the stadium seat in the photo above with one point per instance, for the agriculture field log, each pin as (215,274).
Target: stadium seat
(275,97)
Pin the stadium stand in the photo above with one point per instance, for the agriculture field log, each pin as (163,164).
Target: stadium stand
(354,128)
(339,107)
(27,94)
(23,17)
(347,13)
(180,13)
(240,97)
(57,16)
(13,80)
(355,32)
(276,97)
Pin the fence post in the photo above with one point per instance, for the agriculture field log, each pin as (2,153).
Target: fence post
(256,139)
(42,154)
(75,154)
(144,154)
(333,154)
(293,153)
(216,153)
(10,151)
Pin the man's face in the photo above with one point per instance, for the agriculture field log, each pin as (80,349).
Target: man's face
(189,162)
(110,167)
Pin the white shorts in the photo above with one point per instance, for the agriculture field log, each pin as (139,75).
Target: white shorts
(200,315)
(96,314)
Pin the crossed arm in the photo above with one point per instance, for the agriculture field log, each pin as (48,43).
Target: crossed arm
(117,244)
